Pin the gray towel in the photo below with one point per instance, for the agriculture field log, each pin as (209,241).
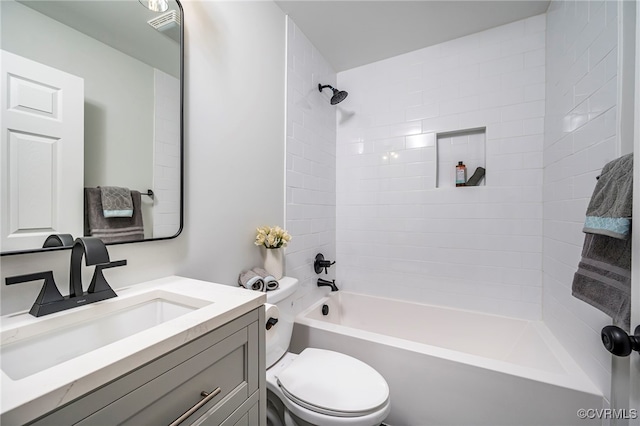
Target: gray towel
(609,211)
(112,229)
(116,201)
(269,280)
(250,280)
(603,278)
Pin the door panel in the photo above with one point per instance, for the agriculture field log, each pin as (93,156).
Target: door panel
(42,149)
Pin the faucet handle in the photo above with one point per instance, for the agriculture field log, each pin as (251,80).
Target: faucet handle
(319,263)
(58,240)
(98,282)
(48,294)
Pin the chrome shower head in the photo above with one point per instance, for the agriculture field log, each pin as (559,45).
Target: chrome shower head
(338,95)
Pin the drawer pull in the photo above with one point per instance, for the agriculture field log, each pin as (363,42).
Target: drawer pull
(208,396)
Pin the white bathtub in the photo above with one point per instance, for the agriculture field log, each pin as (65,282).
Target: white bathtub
(453,367)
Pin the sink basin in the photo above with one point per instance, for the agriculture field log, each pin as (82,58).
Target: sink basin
(80,334)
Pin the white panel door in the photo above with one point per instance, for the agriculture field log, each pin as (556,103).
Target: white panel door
(42,153)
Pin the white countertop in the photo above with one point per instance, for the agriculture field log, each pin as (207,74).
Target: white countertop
(32,396)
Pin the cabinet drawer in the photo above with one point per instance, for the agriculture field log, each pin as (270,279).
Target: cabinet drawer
(248,411)
(165,398)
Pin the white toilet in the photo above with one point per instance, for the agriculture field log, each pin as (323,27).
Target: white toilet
(317,387)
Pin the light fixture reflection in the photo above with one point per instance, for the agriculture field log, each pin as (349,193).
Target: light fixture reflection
(155,5)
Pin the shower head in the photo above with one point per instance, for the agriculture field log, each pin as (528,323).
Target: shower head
(338,95)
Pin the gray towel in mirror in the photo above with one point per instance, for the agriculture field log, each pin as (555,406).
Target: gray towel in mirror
(112,229)
(116,201)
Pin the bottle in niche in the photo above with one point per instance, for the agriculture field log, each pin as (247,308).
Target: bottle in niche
(461,174)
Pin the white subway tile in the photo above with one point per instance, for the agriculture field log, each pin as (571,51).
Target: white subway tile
(405,129)
(603,99)
(521,78)
(527,43)
(523,111)
(590,83)
(441,124)
(534,58)
(457,106)
(502,65)
(422,112)
(507,130)
(420,141)
(389,117)
(534,92)
(386,145)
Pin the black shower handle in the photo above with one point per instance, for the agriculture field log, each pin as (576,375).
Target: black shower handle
(319,264)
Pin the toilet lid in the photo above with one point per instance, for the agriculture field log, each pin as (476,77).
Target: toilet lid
(333,383)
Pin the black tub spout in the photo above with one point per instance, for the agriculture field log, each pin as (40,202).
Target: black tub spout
(332,284)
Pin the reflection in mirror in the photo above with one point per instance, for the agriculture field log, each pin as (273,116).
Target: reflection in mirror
(93,101)
(58,240)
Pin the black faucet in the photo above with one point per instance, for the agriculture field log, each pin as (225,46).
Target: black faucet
(95,253)
(50,300)
(332,284)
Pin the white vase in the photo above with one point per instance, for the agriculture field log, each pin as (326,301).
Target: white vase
(274,262)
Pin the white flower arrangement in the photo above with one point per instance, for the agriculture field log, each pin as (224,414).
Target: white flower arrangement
(272,237)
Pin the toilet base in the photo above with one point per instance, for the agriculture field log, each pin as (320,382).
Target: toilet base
(279,415)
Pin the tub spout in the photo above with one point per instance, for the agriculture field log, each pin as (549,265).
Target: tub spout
(332,284)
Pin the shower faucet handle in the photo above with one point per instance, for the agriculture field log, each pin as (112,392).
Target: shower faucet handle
(319,264)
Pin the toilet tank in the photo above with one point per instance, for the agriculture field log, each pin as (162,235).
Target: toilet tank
(279,336)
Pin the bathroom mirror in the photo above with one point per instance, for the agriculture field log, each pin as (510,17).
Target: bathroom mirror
(94,93)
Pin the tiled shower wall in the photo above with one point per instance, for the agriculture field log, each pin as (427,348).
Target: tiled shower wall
(580,137)
(166,161)
(311,163)
(479,247)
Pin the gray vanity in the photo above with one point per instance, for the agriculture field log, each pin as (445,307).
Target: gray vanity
(223,361)
(202,365)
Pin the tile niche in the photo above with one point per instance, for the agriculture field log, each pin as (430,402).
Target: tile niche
(466,145)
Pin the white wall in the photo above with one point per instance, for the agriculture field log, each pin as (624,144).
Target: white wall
(311,164)
(234,104)
(477,248)
(580,138)
(234,119)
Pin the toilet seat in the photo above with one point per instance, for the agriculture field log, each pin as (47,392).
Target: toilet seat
(333,384)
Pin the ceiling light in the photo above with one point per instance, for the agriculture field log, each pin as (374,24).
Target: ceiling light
(155,5)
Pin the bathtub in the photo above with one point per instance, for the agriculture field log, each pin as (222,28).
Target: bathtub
(447,366)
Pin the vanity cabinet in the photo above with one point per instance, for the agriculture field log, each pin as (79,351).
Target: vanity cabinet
(217,379)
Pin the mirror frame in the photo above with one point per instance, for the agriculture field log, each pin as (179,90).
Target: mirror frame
(52,249)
